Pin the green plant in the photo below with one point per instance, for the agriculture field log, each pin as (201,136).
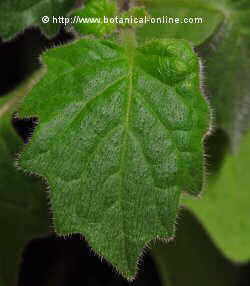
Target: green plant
(122,119)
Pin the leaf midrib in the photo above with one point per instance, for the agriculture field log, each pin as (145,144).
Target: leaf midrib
(130,56)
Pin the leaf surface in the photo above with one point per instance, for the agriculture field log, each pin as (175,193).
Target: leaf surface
(17,15)
(119,138)
(23,211)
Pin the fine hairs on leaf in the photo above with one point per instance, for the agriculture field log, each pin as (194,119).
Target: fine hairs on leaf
(227,58)
(120,136)
(121,121)
(223,41)
(225,51)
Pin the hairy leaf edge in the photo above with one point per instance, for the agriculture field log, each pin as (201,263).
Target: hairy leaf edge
(148,245)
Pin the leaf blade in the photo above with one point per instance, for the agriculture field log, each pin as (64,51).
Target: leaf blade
(90,143)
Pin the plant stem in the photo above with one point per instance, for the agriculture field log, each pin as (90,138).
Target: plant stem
(20,92)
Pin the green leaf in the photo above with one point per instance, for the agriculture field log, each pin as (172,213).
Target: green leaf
(226,53)
(95,10)
(196,33)
(224,207)
(227,61)
(120,136)
(17,15)
(23,211)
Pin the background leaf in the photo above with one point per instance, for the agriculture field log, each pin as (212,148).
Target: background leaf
(227,65)
(191,259)
(17,15)
(23,211)
(195,33)
(120,136)
(224,207)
